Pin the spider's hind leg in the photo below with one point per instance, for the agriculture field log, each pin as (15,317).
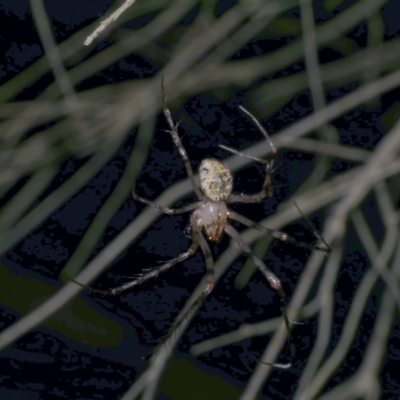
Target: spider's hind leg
(316,233)
(152,273)
(275,283)
(198,239)
(282,236)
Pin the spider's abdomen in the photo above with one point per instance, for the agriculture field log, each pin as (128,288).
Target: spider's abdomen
(212,217)
(215,179)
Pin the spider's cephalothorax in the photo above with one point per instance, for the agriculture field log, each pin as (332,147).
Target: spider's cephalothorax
(211,215)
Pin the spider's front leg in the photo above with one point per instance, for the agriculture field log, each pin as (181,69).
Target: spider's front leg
(267,188)
(177,140)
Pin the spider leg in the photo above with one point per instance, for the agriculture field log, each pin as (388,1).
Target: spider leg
(314,229)
(249,198)
(239,153)
(165,210)
(176,139)
(154,272)
(283,236)
(267,188)
(198,239)
(274,282)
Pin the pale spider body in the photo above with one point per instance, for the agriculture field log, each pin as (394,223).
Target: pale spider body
(216,183)
(211,215)
(216,180)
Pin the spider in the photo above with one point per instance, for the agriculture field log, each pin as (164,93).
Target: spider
(209,220)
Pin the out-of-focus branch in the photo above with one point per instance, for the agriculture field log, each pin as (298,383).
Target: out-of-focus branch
(72,53)
(21,202)
(51,50)
(103,216)
(351,324)
(112,18)
(259,19)
(326,133)
(246,71)
(371,249)
(316,146)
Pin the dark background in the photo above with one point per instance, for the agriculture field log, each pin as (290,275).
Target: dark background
(88,349)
